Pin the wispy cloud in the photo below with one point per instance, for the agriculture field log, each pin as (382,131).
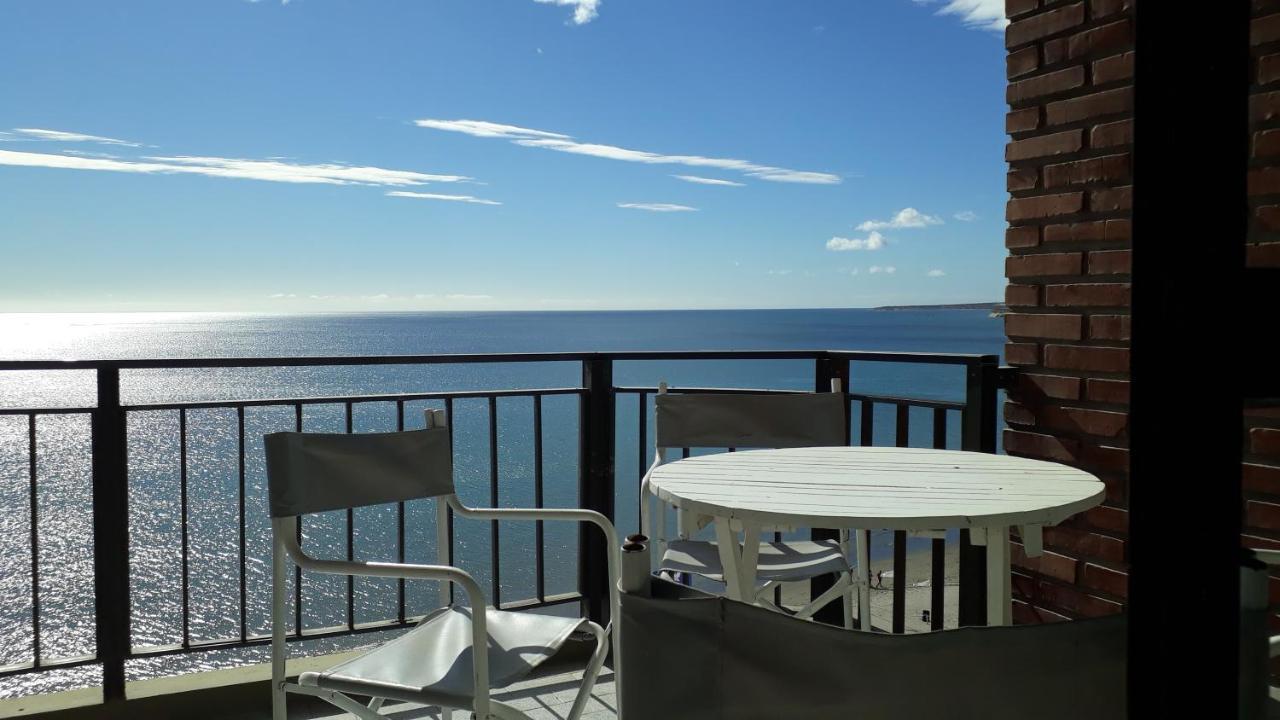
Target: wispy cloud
(873,241)
(437,196)
(566,143)
(936,273)
(658,207)
(877,269)
(62,136)
(708,181)
(974,14)
(966,216)
(906,218)
(266,170)
(584,11)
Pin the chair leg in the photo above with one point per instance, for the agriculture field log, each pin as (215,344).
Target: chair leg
(593,670)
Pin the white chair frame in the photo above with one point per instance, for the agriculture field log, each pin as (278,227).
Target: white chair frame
(845,587)
(285,547)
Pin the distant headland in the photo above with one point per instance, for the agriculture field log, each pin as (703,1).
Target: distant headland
(995,308)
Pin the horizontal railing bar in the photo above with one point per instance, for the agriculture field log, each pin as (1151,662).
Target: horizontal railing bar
(46,665)
(255,640)
(913,402)
(46,411)
(459,358)
(353,399)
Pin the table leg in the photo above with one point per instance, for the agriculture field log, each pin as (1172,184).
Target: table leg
(999,591)
(730,560)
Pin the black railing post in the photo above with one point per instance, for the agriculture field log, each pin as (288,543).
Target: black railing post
(595,482)
(826,369)
(978,427)
(110,533)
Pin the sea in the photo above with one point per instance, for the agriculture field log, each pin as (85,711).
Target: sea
(62,461)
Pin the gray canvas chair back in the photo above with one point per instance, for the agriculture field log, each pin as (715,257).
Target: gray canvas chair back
(316,472)
(691,655)
(749,421)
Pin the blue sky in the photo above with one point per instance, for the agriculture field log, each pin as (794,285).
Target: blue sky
(335,155)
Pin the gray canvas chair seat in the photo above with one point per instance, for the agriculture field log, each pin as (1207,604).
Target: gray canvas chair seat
(779,561)
(431,664)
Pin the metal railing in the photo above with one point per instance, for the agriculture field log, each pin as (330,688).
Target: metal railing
(597,397)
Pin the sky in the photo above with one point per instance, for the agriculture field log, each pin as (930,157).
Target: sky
(337,155)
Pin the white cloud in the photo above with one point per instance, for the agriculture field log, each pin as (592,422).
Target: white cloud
(936,273)
(906,218)
(873,241)
(437,196)
(708,181)
(267,170)
(465,296)
(584,11)
(975,14)
(61,136)
(778,272)
(658,207)
(566,143)
(283,296)
(966,216)
(876,269)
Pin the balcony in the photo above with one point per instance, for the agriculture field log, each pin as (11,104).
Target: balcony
(144,572)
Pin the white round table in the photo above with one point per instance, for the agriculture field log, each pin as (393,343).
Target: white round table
(876,488)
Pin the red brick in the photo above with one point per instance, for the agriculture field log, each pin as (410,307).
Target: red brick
(1260,514)
(1078,357)
(1038,86)
(1043,25)
(1109,327)
(1038,445)
(1044,146)
(1265,255)
(1026,614)
(1022,237)
(1104,423)
(1080,543)
(1105,579)
(1021,353)
(1113,69)
(1111,134)
(1260,478)
(1073,600)
(1022,120)
(1264,441)
(1105,458)
(1268,217)
(1016,414)
(1106,517)
(1264,29)
(1076,232)
(1103,8)
(1056,327)
(1088,295)
(1055,51)
(1106,38)
(1264,181)
(1051,564)
(1021,179)
(1110,262)
(1108,168)
(1268,69)
(1058,387)
(1022,61)
(1022,295)
(1264,107)
(1050,264)
(1266,143)
(1107,391)
(1014,8)
(1119,230)
(1109,102)
(1111,199)
(1044,206)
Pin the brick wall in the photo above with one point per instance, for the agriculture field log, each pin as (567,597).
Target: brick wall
(1262,427)
(1070,69)
(1070,94)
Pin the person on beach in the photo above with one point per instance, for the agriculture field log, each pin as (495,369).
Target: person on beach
(880,579)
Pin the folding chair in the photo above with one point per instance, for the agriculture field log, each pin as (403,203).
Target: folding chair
(436,662)
(743,420)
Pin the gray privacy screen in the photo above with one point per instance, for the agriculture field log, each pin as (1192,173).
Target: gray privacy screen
(691,655)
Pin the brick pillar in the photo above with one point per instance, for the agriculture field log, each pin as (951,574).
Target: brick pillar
(1070,69)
